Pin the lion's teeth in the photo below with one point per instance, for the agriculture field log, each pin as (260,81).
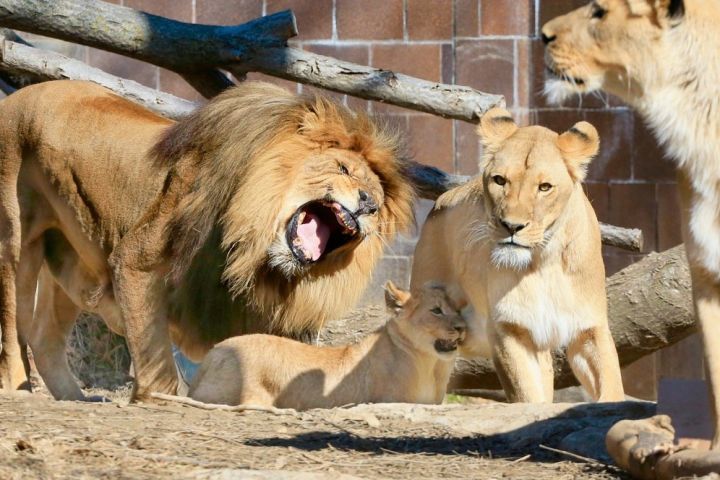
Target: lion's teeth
(301,217)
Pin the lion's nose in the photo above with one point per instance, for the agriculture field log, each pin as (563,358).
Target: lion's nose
(367,204)
(513,228)
(548,38)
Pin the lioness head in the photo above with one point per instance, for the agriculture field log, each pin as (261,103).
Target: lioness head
(528,177)
(428,317)
(613,45)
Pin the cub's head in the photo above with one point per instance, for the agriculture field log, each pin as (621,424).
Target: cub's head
(614,45)
(529,175)
(428,317)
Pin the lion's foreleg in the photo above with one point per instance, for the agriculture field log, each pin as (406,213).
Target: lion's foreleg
(594,362)
(518,364)
(141,303)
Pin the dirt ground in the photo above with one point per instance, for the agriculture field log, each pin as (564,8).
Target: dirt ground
(469,438)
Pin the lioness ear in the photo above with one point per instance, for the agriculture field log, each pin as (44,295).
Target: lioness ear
(578,146)
(496,126)
(395,298)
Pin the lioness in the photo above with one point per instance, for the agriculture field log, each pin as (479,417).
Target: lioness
(522,243)
(407,360)
(261,212)
(661,56)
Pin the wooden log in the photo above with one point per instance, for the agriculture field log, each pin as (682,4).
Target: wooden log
(649,306)
(259,45)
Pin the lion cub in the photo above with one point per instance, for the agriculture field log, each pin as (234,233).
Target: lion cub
(408,360)
(521,243)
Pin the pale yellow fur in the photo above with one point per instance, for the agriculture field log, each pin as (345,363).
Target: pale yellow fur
(397,363)
(661,57)
(545,291)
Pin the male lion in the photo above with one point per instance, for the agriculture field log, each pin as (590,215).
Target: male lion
(408,360)
(661,56)
(522,244)
(261,212)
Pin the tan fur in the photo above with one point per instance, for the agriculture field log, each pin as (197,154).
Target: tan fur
(547,290)
(660,56)
(178,231)
(397,363)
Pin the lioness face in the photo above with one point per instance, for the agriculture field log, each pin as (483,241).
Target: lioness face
(337,199)
(528,177)
(612,45)
(428,317)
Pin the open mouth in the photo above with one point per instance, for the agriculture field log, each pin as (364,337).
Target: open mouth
(444,346)
(317,228)
(566,78)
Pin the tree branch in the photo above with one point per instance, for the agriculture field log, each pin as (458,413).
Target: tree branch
(259,45)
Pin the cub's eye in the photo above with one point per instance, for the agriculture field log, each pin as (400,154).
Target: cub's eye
(597,11)
(436,311)
(544,187)
(499,179)
(344,170)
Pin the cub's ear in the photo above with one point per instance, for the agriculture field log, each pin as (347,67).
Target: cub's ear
(496,126)
(395,298)
(578,146)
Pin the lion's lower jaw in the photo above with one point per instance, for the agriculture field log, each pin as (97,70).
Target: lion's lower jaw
(281,259)
(509,257)
(557,91)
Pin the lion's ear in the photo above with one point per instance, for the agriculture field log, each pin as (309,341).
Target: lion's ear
(663,12)
(395,298)
(496,126)
(578,146)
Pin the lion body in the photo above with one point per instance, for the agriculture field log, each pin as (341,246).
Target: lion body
(661,58)
(397,363)
(553,295)
(158,227)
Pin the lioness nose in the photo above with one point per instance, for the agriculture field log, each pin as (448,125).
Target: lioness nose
(513,228)
(367,204)
(548,38)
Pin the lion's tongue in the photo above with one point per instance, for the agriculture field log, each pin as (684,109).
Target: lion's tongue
(313,235)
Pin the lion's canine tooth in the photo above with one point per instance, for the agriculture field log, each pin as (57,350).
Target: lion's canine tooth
(301,216)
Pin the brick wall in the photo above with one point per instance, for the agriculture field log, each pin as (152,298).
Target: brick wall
(491,45)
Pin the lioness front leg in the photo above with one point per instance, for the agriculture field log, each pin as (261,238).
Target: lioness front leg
(594,361)
(519,365)
(147,335)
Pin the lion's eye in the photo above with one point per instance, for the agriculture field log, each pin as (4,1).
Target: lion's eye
(344,170)
(499,179)
(436,311)
(544,187)
(597,11)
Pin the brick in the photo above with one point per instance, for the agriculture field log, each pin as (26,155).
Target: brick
(370,19)
(523,73)
(599,196)
(124,67)
(173,83)
(392,268)
(227,12)
(614,262)
(639,378)
(467,18)
(429,19)
(176,9)
(314,17)
(550,9)
(507,17)
(683,359)
(447,64)
(669,220)
(467,148)
(431,141)
(633,205)
(486,65)
(650,161)
(615,128)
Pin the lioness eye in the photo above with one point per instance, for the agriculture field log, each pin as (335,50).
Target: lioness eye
(544,187)
(344,170)
(499,179)
(436,311)
(598,11)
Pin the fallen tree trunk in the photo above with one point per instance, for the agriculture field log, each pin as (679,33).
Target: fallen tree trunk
(197,51)
(37,64)
(649,306)
(646,448)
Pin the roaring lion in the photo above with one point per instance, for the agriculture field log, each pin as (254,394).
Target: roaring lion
(660,56)
(521,243)
(263,211)
(408,360)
